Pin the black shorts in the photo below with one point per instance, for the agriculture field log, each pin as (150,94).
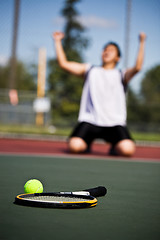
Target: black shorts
(89,132)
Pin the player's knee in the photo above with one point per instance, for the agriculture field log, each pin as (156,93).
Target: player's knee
(77,145)
(126,148)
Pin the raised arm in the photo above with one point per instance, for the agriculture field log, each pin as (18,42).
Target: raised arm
(72,67)
(139,61)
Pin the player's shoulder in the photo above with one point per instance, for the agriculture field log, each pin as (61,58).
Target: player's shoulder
(94,67)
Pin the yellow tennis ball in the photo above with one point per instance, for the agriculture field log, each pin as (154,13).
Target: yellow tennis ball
(33,186)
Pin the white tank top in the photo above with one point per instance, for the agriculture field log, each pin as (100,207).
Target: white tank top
(103,101)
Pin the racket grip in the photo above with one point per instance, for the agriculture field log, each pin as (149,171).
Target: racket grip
(97,192)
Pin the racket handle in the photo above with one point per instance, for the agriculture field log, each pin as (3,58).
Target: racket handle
(97,192)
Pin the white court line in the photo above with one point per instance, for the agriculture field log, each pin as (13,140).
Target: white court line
(81,157)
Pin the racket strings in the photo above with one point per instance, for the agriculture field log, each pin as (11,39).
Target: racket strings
(55,199)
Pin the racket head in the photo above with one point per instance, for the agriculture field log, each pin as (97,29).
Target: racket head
(56,200)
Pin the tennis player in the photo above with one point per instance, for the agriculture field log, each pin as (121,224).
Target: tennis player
(102,111)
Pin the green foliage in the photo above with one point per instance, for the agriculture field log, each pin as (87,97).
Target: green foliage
(73,41)
(133,106)
(144,108)
(24,79)
(150,88)
(64,87)
(4,76)
(150,94)
(66,91)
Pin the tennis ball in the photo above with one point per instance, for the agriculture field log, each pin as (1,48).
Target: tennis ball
(33,186)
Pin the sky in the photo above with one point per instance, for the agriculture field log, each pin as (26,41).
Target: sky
(104,21)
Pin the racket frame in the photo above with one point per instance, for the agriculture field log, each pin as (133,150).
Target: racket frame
(89,201)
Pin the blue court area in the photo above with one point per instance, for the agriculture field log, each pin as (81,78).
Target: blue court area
(129,211)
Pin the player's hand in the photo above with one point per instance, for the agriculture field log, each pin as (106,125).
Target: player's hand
(58,35)
(142,37)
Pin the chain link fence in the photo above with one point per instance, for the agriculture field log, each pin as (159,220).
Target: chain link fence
(23,112)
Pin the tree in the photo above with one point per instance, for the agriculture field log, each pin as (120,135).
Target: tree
(65,88)
(24,79)
(73,42)
(144,108)
(150,94)
(133,106)
(136,113)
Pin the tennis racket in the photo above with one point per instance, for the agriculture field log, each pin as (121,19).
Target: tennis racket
(78,199)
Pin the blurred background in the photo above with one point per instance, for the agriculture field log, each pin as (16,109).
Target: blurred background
(36,96)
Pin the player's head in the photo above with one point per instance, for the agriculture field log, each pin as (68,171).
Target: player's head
(111,53)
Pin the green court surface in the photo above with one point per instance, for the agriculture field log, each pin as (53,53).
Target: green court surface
(129,211)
